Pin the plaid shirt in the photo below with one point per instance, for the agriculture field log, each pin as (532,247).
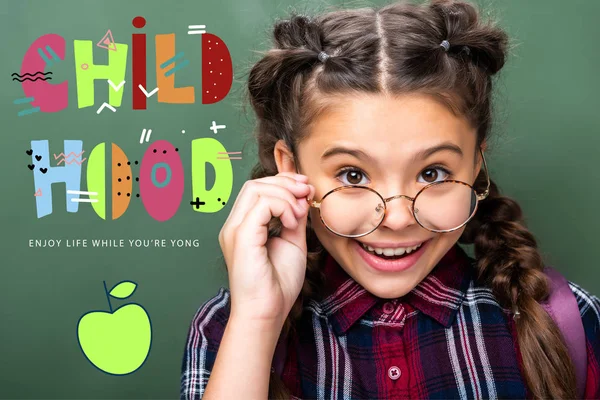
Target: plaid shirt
(447,338)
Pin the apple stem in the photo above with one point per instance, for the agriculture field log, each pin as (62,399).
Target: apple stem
(107,297)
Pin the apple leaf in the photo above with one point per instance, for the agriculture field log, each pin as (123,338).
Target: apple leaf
(123,290)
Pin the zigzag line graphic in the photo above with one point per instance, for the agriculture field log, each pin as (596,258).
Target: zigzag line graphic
(30,74)
(32,80)
(68,155)
(72,161)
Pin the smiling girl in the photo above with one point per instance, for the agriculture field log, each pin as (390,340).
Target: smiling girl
(342,249)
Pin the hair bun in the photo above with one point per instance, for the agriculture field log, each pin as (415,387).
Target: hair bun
(299,31)
(461,26)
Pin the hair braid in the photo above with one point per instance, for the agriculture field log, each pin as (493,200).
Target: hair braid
(508,261)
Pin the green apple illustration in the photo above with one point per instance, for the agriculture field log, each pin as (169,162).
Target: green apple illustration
(116,342)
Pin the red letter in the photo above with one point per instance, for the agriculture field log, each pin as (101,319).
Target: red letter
(138,66)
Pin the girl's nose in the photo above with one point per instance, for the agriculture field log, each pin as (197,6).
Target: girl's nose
(398,214)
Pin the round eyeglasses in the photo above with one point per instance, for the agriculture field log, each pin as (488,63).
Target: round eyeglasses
(356,210)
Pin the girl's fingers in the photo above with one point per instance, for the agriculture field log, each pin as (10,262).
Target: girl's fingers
(286,174)
(283,187)
(253,229)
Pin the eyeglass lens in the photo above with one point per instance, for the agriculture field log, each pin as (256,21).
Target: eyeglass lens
(355,211)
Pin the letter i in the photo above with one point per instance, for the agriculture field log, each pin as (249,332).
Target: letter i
(138,42)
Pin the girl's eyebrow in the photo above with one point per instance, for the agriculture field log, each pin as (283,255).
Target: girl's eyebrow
(444,146)
(422,154)
(356,153)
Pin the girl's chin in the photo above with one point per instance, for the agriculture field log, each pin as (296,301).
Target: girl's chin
(386,291)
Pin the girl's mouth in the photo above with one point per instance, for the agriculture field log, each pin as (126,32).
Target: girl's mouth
(405,252)
(391,263)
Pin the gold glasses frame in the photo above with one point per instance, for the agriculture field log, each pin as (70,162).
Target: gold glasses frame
(479,197)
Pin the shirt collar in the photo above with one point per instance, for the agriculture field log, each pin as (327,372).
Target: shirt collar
(439,295)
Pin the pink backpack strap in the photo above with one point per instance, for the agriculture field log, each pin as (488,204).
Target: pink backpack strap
(562,307)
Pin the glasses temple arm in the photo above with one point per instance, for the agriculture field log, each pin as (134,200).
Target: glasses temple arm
(487,175)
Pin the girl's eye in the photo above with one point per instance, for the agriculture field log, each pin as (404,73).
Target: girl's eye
(355,176)
(431,174)
(351,176)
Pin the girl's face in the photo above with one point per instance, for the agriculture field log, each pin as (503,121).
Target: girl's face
(388,133)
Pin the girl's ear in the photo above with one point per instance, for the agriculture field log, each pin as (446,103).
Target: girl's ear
(283,157)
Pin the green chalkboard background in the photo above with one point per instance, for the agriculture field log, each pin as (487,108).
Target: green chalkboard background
(546,157)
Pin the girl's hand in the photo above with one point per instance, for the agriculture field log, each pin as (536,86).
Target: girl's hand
(266,276)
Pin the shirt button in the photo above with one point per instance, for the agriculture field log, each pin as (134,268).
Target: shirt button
(394,372)
(388,308)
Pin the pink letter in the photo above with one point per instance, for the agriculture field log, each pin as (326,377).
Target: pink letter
(45,51)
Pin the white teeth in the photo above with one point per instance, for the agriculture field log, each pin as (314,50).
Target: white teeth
(388,252)
(392,252)
(399,252)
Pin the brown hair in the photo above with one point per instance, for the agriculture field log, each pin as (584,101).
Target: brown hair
(396,49)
